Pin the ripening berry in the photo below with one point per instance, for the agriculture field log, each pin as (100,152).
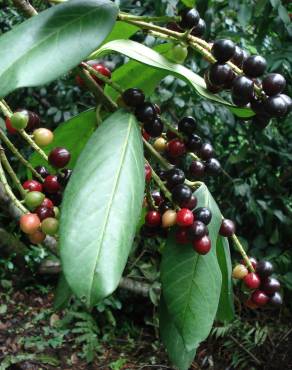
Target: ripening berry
(50,226)
(169,218)
(252,280)
(239,272)
(176,148)
(184,217)
(160,144)
(59,157)
(148,172)
(37,238)
(51,184)
(32,185)
(9,127)
(153,218)
(203,245)
(29,223)
(34,199)
(42,136)
(19,120)
(260,298)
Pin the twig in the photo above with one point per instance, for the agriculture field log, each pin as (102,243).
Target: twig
(30,141)
(156,155)
(242,252)
(161,185)
(27,8)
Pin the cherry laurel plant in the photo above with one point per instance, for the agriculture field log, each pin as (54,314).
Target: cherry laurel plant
(90,180)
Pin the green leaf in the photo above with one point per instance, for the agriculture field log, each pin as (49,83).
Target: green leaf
(225,310)
(73,135)
(59,39)
(63,294)
(145,55)
(172,340)
(121,29)
(189,3)
(101,206)
(191,283)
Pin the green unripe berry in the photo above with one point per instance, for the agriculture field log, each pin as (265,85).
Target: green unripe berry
(57,212)
(179,53)
(34,199)
(50,226)
(19,120)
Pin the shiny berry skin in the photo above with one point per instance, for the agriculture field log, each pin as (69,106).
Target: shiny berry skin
(181,236)
(184,217)
(176,148)
(133,97)
(197,169)
(191,203)
(9,127)
(238,57)
(154,128)
(202,246)
(56,198)
(203,214)
(264,268)
(270,285)
(33,199)
(197,230)
(288,102)
(50,226)
(276,300)
(173,27)
(64,176)
(239,272)
(212,88)
(194,143)
(43,137)
(276,106)
(146,112)
(32,185)
(29,223)
(187,125)
(252,280)
(33,121)
(157,197)
(206,151)
(253,262)
(213,166)
(254,66)
(43,171)
(99,68)
(37,238)
(47,203)
(169,218)
(59,157)
(175,176)
(223,50)
(181,194)
(153,219)
(260,298)
(44,212)
(199,29)
(273,84)
(160,144)
(189,18)
(51,184)
(227,228)
(148,172)
(19,120)
(145,135)
(242,88)
(219,74)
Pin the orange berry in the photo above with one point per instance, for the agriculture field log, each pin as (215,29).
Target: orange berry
(37,238)
(29,223)
(169,218)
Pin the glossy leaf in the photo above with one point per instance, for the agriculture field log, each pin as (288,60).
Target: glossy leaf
(101,207)
(191,283)
(63,294)
(121,29)
(59,39)
(225,311)
(145,55)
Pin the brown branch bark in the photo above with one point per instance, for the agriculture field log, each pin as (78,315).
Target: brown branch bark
(26,7)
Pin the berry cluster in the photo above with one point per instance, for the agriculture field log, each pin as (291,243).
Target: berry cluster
(190,20)
(22,118)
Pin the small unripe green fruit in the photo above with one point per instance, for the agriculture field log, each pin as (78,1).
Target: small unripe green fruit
(19,120)
(50,226)
(34,199)
(57,212)
(179,53)
(42,136)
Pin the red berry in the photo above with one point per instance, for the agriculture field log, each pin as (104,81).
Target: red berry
(44,212)
(184,217)
(203,245)
(153,218)
(37,238)
(176,148)
(99,68)
(51,184)
(145,135)
(9,127)
(29,223)
(181,236)
(47,203)
(148,172)
(250,304)
(59,157)
(252,280)
(32,185)
(259,298)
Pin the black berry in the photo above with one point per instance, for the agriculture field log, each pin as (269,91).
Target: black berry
(223,50)
(276,299)
(189,18)
(227,228)
(273,84)
(197,169)
(203,214)
(187,125)
(146,112)
(133,97)
(242,88)
(174,177)
(64,176)
(270,285)
(154,128)
(288,101)
(181,194)
(199,29)
(276,106)
(264,268)
(43,171)
(238,57)
(206,151)
(197,230)
(194,143)
(213,166)
(254,66)
(219,74)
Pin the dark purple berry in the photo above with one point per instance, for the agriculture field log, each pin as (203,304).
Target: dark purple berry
(276,299)
(242,88)
(133,97)
(288,101)
(254,66)
(199,29)
(174,177)
(64,176)
(194,143)
(146,112)
(213,166)
(189,18)
(223,50)
(43,171)
(154,128)
(181,194)
(270,285)
(197,169)
(187,125)
(219,74)
(273,84)
(197,230)
(238,57)
(264,268)
(276,106)
(227,228)
(203,214)
(206,151)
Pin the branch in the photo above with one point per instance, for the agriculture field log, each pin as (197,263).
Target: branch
(26,7)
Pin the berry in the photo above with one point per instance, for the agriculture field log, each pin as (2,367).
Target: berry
(43,171)
(33,121)
(184,217)
(44,212)
(187,125)
(197,169)
(259,298)
(173,27)
(199,29)
(176,148)
(64,176)
(153,219)
(253,262)
(169,218)
(29,223)
(223,50)
(148,172)
(254,66)
(288,102)
(194,142)
(164,206)
(57,212)
(242,89)
(181,194)
(179,53)
(47,203)
(276,299)
(264,268)
(189,18)
(50,226)
(190,204)
(181,236)
(154,128)
(238,57)
(99,68)
(9,127)
(157,197)
(212,88)
(270,285)
(146,112)
(228,83)
(252,280)
(213,166)
(43,136)
(203,245)
(145,135)
(206,151)
(56,198)
(51,184)
(33,199)
(219,74)
(227,228)
(239,272)
(37,238)
(276,106)
(160,144)
(32,185)
(197,230)
(59,157)
(133,97)
(174,177)
(170,134)
(203,214)
(273,84)
(19,120)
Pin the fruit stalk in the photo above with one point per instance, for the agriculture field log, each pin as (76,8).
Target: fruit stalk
(161,185)
(242,252)
(156,155)
(29,140)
